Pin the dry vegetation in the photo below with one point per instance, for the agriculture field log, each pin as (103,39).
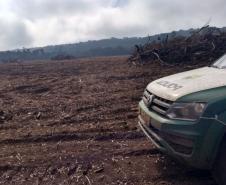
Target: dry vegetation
(204,45)
(75,122)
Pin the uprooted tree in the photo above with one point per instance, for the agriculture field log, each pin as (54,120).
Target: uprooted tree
(203,46)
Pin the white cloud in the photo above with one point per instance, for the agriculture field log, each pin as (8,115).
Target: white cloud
(42,22)
(13,33)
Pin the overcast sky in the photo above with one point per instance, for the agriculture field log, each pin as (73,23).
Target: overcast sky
(29,23)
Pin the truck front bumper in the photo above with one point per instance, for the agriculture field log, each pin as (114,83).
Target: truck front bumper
(190,142)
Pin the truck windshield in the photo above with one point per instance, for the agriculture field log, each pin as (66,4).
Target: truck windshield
(220,63)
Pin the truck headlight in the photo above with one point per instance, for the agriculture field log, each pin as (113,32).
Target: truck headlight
(186,111)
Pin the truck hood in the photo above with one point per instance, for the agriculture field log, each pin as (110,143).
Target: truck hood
(181,84)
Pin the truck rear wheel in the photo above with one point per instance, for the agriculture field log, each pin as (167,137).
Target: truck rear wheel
(219,169)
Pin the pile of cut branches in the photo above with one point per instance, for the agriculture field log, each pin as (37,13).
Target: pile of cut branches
(202,47)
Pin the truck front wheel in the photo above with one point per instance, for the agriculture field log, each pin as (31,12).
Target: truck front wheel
(219,169)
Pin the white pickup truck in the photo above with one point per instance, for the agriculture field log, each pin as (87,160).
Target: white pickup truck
(184,115)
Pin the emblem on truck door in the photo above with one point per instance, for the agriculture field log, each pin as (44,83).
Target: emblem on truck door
(169,85)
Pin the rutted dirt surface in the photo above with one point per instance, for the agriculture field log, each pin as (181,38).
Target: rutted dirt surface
(75,122)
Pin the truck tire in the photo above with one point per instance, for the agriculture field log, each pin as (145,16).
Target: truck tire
(219,168)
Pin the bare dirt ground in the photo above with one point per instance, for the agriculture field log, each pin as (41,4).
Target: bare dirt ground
(75,122)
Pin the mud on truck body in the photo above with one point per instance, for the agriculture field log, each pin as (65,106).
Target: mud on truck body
(184,115)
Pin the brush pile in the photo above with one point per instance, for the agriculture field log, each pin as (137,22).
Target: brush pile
(203,46)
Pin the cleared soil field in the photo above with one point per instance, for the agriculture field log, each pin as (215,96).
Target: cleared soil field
(75,122)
